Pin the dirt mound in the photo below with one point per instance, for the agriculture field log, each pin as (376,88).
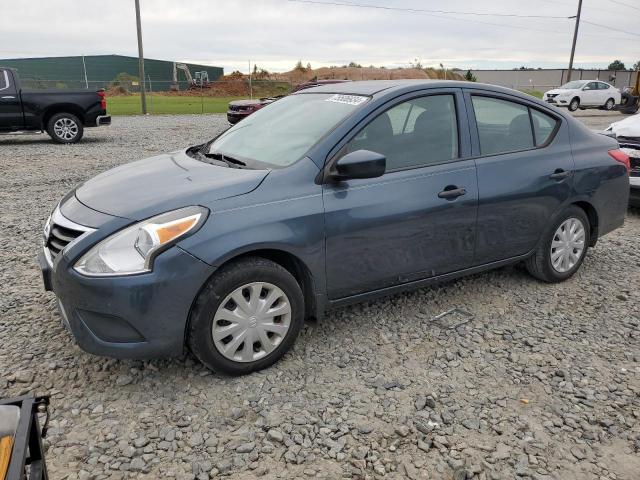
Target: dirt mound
(365,73)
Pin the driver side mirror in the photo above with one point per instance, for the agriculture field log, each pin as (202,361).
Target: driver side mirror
(358,164)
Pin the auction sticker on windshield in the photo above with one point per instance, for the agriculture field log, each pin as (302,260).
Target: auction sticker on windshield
(348,99)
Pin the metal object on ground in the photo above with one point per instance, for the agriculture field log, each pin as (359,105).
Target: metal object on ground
(27,456)
(452,318)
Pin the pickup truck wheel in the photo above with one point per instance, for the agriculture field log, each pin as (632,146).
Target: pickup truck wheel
(246,317)
(563,247)
(65,128)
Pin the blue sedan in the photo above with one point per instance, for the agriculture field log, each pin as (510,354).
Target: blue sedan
(329,196)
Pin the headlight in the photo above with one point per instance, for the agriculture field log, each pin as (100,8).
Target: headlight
(133,249)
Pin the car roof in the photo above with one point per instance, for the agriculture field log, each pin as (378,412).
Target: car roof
(375,87)
(366,87)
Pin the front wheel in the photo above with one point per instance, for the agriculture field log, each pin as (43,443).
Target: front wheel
(65,128)
(247,317)
(563,247)
(574,104)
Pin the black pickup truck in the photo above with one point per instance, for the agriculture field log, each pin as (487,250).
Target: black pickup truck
(63,114)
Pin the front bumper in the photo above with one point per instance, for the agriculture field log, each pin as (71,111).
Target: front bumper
(136,316)
(556,101)
(234,117)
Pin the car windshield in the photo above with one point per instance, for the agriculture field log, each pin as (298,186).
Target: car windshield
(281,133)
(572,85)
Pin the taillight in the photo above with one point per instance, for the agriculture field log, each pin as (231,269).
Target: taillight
(103,100)
(620,156)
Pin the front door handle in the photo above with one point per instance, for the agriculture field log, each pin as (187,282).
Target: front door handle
(8,96)
(559,174)
(451,192)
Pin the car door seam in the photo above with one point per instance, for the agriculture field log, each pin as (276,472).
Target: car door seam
(268,203)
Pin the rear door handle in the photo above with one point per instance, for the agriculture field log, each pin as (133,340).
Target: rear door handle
(559,174)
(8,96)
(451,192)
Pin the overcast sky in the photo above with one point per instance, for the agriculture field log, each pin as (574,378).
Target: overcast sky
(275,34)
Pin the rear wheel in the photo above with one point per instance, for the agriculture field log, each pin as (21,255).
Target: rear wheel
(563,247)
(65,128)
(609,104)
(574,104)
(247,317)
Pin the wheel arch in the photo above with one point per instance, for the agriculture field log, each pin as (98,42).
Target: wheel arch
(290,262)
(592,215)
(62,108)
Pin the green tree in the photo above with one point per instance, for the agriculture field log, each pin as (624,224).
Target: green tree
(470,77)
(616,65)
(354,65)
(299,66)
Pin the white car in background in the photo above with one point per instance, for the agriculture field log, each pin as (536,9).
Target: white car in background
(627,132)
(584,94)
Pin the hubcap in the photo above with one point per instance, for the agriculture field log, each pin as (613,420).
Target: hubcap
(251,322)
(567,245)
(65,128)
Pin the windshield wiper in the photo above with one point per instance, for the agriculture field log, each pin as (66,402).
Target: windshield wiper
(232,162)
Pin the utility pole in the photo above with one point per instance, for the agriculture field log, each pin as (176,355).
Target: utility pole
(143,93)
(575,37)
(250,85)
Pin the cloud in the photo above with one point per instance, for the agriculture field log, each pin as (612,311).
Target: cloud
(277,33)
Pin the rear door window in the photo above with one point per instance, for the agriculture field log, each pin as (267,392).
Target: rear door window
(505,126)
(543,126)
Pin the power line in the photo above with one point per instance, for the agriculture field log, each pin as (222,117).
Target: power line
(424,10)
(612,28)
(624,4)
(441,14)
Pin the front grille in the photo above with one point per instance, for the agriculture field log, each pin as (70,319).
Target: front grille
(60,232)
(234,108)
(60,237)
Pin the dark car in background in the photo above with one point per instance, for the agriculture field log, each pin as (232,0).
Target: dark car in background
(329,196)
(239,109)
(63,114)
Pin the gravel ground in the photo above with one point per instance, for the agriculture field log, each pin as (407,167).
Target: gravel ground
(543,381)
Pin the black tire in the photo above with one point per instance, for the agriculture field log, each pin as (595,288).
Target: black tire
(223,283)
(539,264)
(574,104)
(65,127)
(629,104)
(609,104)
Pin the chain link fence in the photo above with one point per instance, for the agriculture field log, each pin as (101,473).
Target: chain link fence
(123,97)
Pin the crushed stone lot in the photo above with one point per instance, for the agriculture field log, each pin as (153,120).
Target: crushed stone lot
(542,382)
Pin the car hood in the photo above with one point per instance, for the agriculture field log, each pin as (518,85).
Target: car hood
(154,185)
(629,127)
(558,91)
(245,103)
